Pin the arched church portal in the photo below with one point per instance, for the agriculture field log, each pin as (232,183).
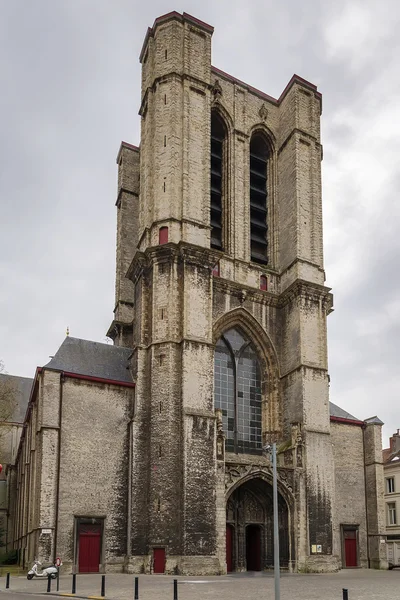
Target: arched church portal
(249,528)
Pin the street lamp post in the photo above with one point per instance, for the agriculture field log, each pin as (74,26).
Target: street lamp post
(276,525)
(272,451)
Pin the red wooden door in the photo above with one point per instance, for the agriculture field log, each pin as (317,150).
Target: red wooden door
(159,560)
(229,536)
(89,548)
(350,548)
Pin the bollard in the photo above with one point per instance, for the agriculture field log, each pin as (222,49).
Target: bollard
(136,588)
(7,581)
(175,589)
(103,586)
(58,579)
(345,594)
(74,583)
(48,583)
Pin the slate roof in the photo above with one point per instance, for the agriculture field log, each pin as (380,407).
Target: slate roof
(336,411)
(21,390)
(94,359)
(390,456)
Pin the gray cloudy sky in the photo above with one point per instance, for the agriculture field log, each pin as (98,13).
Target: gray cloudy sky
(70,83)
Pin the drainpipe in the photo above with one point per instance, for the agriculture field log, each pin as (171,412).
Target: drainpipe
(58,467)
(366,499)
(129,502)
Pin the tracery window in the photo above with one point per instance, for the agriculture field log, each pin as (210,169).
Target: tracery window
(259,155)
(237,392)
(218,150)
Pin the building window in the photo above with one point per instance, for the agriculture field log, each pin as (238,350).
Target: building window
(392,513)
(390,485)
(218,151)
(263,283)
(215,270)
(259,155)
(237,392)
(163,235)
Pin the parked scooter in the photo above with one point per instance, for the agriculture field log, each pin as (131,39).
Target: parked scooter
(35,571)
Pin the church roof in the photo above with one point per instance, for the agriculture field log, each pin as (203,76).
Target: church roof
(336,411)
(20,388)
(93,359)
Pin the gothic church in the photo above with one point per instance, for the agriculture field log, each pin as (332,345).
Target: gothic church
(149,456)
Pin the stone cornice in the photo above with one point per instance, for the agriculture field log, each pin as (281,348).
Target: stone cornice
(245,292)
(308,291)
(199,255)
(195,81)
(183,251)
(299,132)
(123,190)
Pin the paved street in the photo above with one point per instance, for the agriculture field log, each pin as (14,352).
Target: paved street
(362,585)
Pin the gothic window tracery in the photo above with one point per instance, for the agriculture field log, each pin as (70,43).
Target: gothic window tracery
(237,392)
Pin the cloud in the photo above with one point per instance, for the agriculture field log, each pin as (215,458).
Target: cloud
(70,93)
(357,30)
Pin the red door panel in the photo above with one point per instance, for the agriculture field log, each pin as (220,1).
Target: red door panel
(159,560)
(229,548)
(89,551)
(350,550)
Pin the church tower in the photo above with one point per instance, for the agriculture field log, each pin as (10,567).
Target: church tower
(220,294)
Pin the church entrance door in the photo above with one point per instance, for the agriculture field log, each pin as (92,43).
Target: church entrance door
(159,560)
(249,528)
(89,548)
(253,547)
(350,547)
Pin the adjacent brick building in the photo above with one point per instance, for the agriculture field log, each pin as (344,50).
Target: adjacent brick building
(149,455)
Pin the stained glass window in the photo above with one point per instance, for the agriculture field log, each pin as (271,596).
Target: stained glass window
(237,392)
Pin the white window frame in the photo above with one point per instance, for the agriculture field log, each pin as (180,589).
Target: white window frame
(391,513)
(390,489)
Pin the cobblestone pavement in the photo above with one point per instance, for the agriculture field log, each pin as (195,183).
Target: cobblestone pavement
(361,585)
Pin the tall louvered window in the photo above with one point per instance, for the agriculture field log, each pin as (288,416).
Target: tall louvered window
(218,137)
(259,154)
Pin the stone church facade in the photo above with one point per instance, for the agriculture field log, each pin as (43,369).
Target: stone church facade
(150,454)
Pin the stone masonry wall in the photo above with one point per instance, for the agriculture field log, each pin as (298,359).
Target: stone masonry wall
(94,463)
(350,509)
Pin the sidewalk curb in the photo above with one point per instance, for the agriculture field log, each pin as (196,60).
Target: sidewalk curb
(62,594)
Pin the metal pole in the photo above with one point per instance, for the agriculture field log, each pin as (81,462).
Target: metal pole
(103,586)
(48,584)
(136,588)
(345,594)
(276,526)
(74,583)
(58,579)
(175,589)
(7,581)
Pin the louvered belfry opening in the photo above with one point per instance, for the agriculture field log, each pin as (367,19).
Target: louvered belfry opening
(259,154)
(218,136)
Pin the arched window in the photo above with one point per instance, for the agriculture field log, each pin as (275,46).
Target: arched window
(237,392)
(218,139)
(259,155)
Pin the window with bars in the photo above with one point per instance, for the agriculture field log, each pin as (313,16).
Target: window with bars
(237,392)
(259,155)
(218,142)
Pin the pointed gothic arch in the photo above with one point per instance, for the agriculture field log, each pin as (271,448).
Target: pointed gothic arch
(249,506)
(271,425)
